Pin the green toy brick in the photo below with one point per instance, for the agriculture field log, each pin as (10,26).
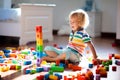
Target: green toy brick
(57,69)
(33,71)
(39,48)
(18,67)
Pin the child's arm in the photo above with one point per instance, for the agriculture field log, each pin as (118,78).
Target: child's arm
(91,46)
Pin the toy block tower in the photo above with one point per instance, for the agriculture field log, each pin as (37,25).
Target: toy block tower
(39,44)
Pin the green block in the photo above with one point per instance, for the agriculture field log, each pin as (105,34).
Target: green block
(40,48)
(14,61)
(57,69)
(110,62)
(33,71)
(18,67)
(51,72)
(107,68)
(25,52)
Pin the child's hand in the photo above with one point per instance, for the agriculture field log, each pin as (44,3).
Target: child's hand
(96,61)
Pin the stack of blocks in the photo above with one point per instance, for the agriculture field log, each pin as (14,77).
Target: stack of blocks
(39,44)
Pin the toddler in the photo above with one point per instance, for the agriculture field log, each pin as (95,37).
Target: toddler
(78,40)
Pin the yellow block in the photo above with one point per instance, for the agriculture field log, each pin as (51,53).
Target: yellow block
(39,41)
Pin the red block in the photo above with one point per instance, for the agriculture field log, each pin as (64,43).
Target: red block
(65,78)
(38,28)
(41,77)
(13,67)
(114,68)
(57,62)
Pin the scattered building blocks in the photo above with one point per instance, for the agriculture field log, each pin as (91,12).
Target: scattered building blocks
(102,71)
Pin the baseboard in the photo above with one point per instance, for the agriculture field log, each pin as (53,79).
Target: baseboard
(108,35)
(9,41)
(55,32)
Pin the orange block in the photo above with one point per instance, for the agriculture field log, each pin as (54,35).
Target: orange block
(117,56)
(38,35)
(14,55)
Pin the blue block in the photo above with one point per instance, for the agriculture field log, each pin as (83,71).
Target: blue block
(7,54)
(6,51)
(27,71)
(2,60)
(58,75)
(39,69)
(46,77)
(90,65)
(1,57)
(27,62)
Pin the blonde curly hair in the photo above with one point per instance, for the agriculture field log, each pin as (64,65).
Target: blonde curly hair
(82,17)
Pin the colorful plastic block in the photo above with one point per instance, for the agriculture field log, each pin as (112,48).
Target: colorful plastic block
(57,69)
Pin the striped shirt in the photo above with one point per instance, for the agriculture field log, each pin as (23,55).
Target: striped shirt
(77,40)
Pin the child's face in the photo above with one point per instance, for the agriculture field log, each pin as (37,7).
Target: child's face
(74,24)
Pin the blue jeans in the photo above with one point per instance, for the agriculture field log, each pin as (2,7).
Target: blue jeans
(71,55)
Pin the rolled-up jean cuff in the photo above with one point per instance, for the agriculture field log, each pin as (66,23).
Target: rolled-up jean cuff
(51,48)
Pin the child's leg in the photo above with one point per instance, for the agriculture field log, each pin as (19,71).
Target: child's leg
(59,57)
(52,51)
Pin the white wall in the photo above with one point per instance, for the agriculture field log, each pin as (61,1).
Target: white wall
(5,4)
(63,7)
(61,11)
(118,20)
(109,9)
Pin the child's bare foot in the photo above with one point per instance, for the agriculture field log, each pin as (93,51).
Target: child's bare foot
(47,58)
(44,58)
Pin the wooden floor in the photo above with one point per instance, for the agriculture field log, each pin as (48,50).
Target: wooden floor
(103,46)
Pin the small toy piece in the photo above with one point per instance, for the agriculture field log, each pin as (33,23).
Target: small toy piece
(57,62)
(27,62)
(12,67)
(89,75)
(33,71)
(90,65)
(39,69)
(27,71)
(46,76)
(74,67)
(57,69)
(117,62)
(53,77)
(46,68)
(4,68)
(58,75)
(110,56)
(97,77)
(18,67)
(114,68)
(41,77)
(117,56)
